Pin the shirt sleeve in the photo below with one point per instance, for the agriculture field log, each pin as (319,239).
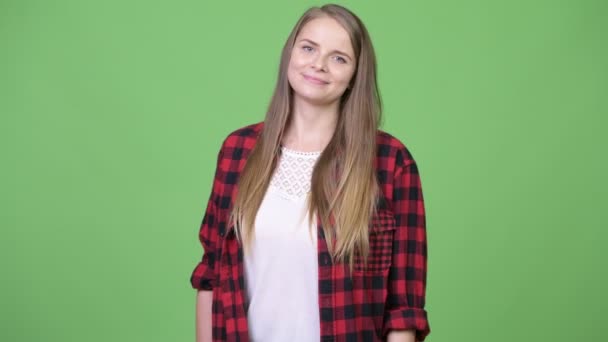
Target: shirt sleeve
(407,275)
(203,277)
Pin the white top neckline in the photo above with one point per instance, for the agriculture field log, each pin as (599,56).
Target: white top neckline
(300,153)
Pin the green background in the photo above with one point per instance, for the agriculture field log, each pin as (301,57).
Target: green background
(112,113)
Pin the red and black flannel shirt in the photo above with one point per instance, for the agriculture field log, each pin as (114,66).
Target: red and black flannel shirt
(388,295)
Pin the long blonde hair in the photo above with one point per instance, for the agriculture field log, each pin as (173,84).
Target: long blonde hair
(343,186)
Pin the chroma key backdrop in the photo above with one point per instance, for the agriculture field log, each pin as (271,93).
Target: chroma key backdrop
(112,113)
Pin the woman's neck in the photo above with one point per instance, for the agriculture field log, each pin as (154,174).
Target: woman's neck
(310,128)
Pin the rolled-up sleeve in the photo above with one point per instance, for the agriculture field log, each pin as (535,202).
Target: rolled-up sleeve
(203,277)
(407,276)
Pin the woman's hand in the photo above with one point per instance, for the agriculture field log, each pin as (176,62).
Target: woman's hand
(401,336)
(204,299)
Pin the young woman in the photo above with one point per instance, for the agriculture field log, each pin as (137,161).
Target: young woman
(315,227)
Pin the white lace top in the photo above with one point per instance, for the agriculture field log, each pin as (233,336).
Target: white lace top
(281,272)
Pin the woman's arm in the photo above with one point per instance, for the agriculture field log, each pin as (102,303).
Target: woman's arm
(401,336)
(203,277)
(204,299)
(407,275)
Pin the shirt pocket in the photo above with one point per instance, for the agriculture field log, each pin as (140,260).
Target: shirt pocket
(381,233)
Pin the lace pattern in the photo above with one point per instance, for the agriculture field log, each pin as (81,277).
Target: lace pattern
(293,174)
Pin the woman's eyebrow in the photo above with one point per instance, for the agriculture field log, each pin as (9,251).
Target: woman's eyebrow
(315,44)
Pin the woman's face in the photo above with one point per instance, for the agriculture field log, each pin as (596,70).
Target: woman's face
(322,62)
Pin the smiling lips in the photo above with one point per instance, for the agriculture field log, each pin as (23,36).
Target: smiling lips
(314,80)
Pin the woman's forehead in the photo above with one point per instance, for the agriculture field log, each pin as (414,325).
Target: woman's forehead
(327,33)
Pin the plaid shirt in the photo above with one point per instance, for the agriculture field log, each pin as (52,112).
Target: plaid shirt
(388,295)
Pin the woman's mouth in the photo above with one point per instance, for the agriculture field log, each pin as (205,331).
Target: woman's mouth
(315,80)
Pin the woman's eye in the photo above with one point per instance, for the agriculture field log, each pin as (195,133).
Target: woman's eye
(306,47)
(341,60)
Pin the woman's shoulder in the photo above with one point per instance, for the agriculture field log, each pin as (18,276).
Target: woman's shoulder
(390,149)
(393,150)
(248,131)
(243,137)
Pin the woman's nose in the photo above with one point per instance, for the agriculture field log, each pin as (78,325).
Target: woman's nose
(319,63)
